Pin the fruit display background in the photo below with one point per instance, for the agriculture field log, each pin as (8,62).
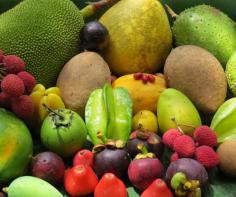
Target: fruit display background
(219,185)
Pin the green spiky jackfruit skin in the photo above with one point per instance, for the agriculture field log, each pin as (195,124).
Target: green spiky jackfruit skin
(207,27)
(44,33)
(230,72)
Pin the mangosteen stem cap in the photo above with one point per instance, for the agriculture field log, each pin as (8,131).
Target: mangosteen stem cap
(145,153)
(5,189)
(101,137)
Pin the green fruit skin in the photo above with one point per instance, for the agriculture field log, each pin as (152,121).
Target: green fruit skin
(16,146)
(230,72)
(123,114)
(223,122)
(44,33)
(29,186)
(64,140)
(96,116)
(208,28)
(174,104)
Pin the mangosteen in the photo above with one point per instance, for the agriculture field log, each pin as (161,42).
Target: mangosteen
(144,169)
(186,176)
(151,141)
(48,166)
(111,157)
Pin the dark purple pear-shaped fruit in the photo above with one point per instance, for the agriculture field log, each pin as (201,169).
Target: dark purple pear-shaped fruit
(48,166)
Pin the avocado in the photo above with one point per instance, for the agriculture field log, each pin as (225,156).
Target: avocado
(44,33)
(140,36)
(207,27)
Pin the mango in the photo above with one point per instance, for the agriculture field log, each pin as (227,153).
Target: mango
(144,95)
(223,122)
(29,186)
(174,109)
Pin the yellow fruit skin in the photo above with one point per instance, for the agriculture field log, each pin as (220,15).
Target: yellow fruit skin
(144,96)
(145,120)
(140,36)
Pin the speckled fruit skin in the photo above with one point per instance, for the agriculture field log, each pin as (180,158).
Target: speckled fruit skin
(208,28)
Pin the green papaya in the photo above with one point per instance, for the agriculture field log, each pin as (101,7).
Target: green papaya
(16,146)
(175,109)
(108,111)
(223,122)
(29,186)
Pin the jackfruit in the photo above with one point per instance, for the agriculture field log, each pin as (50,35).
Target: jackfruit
(44,33)
(207,27)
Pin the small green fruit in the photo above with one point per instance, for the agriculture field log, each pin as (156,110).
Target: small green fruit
(175,109)
(64,132)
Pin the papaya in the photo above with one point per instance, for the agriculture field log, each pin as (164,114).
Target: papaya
(16,146)
(144,94)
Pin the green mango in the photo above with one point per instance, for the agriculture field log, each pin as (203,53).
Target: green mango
(173,104)
(109,111)
(223,122)
(29,186)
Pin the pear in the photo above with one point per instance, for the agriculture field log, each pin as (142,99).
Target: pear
(175,110)
(140,36)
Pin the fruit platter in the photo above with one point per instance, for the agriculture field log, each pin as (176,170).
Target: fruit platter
(117,98)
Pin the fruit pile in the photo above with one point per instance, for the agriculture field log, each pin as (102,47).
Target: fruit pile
(16,85)
(133,103)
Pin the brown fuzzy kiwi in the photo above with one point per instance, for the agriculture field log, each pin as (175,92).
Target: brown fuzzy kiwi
(227,154)
(198,74)
(79,77)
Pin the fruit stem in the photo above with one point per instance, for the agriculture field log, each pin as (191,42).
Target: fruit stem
(171,12)
(5,189)
(51,111)
(101,137)
(177,125)
(142,148)
(92,7)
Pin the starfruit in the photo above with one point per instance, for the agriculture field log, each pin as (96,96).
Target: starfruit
(223,122)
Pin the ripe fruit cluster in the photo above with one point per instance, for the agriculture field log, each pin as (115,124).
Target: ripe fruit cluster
(15,86)
(144,77)
(200,147)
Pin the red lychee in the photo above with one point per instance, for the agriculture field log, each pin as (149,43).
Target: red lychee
(13,85)
(22,106)
(207,156)
(174,157)
(169,137)
(1,55)
(5,100)
(13,64)
(204,135)
(184,146)
(28,79)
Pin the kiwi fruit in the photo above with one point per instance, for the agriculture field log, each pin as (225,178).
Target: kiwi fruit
(227,154)
(199,75)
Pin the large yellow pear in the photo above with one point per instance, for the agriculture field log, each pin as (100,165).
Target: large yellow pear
(140,36)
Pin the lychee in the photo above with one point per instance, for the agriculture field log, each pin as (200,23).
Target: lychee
(184,146)
(1,55)
(22,106)
(138,76)
(13,64)
(169,137)
(28,79)
(13,85)
(204,135)
(5,100)
(207,156)
(174,157)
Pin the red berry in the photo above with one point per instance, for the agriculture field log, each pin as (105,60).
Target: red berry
(184,146)
(170,136)
(145,79)
(204,135)
(22,106)
(207,156)
(13,64)
(151,78)
(83,157)
(138,76)
(13,85)
(174,157)
(28,79)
